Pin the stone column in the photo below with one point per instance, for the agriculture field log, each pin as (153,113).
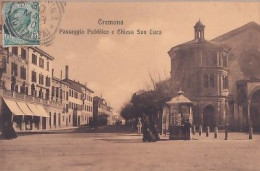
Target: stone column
(23,124)
(207,131)
(40,124)
(193,129)
(216,132)
(190,137)
(226,131)
(248,113)
(250,133)
(200,130)
(218,121)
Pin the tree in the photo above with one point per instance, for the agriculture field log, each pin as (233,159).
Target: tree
(127,111)
(150,102)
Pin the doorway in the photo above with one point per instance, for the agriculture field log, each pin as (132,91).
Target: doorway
(209,117)
(255,110)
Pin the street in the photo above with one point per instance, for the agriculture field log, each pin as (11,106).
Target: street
(126,151)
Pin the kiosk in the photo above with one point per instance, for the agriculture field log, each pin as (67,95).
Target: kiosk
(178,117)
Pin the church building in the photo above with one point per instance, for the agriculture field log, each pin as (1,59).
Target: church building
(217,75)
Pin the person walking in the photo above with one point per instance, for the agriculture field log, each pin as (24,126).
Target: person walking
(146,135)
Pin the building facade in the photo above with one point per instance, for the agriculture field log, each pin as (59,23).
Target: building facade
(244,75)
(32,98)
(102,112)
(25,88)
(80,101)
(201,67)
(220,76)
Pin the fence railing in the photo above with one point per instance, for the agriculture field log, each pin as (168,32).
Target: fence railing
(28,98)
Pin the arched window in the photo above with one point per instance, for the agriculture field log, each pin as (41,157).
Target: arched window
(225,60)
(225,82)
(212,81)
(206,81)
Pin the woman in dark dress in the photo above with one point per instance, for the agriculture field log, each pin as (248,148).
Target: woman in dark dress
(8,130)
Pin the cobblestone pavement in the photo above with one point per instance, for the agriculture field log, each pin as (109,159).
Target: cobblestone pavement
(120,151)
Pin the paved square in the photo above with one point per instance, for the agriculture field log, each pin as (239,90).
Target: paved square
(118,151)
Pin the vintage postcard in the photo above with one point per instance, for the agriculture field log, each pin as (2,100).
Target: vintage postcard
(110,85)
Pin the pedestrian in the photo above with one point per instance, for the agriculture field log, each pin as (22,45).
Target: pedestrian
(187,126)
(8,130)
(154,130)
(139,126)
(146,135)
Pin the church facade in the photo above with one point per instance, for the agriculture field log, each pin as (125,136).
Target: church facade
(221,76)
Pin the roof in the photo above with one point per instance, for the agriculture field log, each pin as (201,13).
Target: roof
(42,52)
(199,24)
(76,85)
(248,81)
(179,99)
(102,101)
(56,79)
(198,42)
(234,32)
(98,98)
(59,80)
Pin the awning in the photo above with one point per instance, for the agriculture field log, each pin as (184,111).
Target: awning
(42,110)
(23,106)
(35,110)
(12,105)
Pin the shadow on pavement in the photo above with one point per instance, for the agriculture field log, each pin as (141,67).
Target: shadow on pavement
(105,129)
(82,129)
(123,140)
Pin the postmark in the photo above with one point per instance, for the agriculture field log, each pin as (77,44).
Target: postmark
(21,23)
(50,19)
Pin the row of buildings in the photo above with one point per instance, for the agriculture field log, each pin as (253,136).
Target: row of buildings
(221,76)
(32,98)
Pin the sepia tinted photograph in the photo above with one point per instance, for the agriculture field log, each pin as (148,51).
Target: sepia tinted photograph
(111,86)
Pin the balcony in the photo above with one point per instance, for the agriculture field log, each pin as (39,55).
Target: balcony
(28,98)
(18,57)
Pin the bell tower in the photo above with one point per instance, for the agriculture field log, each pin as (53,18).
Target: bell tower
(199,30)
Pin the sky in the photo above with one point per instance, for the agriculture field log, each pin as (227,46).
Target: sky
(116,66)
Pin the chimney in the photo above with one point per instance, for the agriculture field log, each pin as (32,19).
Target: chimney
(60,74)
(66,72)
(52,73)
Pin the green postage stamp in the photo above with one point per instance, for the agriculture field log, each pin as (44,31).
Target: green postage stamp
(21,23)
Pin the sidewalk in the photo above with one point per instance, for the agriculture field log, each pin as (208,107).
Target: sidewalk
(45,131)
